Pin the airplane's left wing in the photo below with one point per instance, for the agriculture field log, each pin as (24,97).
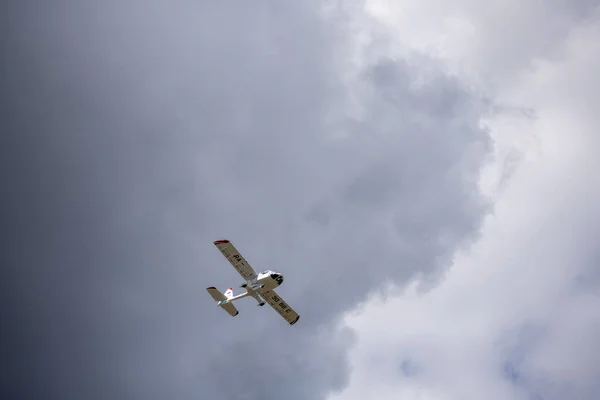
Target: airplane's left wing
(280,306)
(236,259)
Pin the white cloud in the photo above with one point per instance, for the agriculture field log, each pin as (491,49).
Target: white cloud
(141,131)
(183,122)
(518,314)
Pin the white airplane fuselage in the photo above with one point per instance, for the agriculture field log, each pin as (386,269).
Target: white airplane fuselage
(266,280)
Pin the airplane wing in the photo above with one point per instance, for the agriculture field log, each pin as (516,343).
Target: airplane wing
(236,259)
(280,306)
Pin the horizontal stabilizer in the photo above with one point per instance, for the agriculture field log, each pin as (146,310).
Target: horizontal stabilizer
(230,308)
(218,296)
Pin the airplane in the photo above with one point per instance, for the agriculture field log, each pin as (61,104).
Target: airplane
(258,285)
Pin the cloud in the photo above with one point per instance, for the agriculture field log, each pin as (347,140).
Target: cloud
(516,315)
(139,132)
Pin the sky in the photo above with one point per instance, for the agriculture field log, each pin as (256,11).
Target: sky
(421,172)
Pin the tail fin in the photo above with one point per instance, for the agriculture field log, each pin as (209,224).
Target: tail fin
(229,293)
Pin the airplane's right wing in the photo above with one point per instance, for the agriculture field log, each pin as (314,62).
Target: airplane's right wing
(236,259)
(280,306)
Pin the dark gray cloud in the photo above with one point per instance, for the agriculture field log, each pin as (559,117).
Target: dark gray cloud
(136,133)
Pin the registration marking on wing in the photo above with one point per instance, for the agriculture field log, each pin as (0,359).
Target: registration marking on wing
(235,258)
(280,306)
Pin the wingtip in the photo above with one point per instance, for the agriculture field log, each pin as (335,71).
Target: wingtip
(296,320)
(212,287)
(221,241)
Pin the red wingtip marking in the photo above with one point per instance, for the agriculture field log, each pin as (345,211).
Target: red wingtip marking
(221,241)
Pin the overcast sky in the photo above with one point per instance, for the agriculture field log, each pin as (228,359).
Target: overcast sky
(421,172)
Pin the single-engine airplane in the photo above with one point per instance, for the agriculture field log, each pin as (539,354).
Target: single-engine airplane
(260,286)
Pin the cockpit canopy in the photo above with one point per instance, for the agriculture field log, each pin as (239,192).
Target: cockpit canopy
(276,276)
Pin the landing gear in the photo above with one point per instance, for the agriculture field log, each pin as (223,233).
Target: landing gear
(261,304)
(243,285)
